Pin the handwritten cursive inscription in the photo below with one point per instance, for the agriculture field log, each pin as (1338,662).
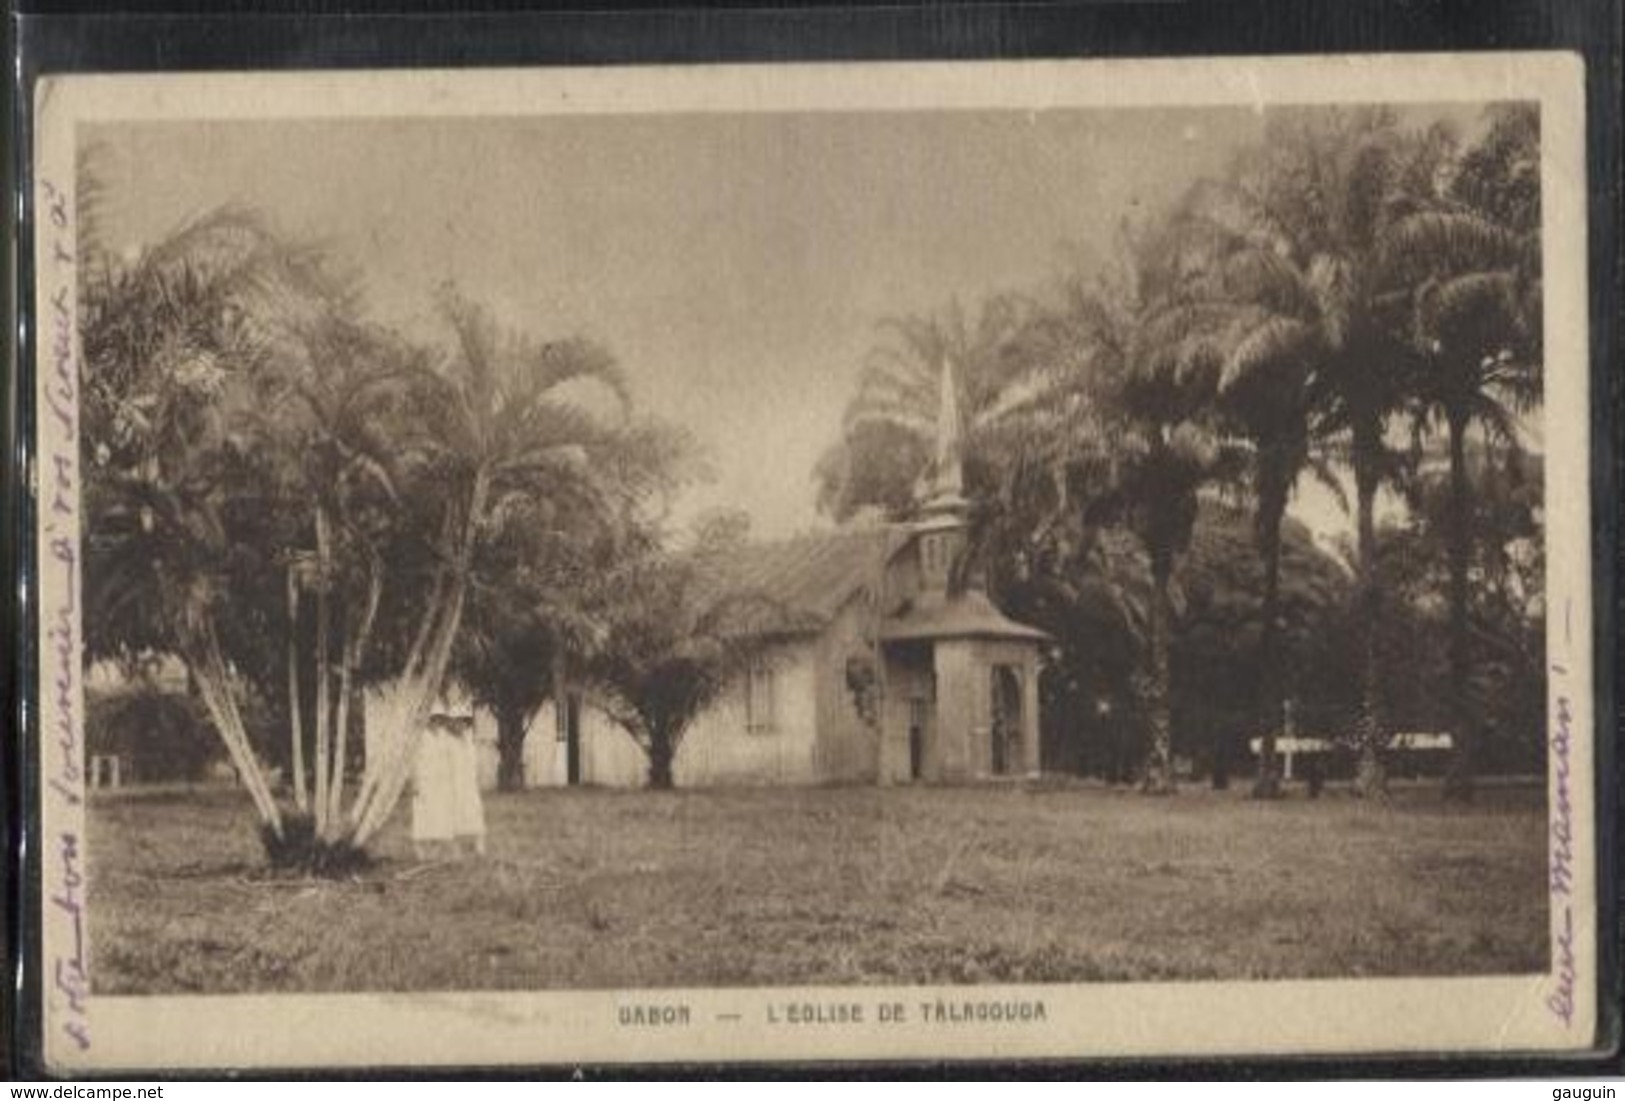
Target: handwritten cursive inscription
(1561,1001)
(1562,884)
(72,978)
(62,721)
(63,638)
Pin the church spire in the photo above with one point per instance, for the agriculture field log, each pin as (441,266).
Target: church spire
(944,511)
(950,475)
(947,488)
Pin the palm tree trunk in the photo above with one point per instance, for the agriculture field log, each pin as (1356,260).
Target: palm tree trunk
(341,729)
(324,671)
(1371,779)
(296,720)
(205,663)
(355,645)
(1459,779)
(421,686)
(1159,772)
(511,747)
(1268,784)
(661,753)
(437,592)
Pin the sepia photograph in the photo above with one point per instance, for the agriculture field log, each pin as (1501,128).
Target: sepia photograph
(905,565)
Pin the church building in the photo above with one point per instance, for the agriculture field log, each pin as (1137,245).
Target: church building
(898,667)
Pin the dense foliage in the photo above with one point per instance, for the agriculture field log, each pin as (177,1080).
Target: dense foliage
(1347,284)
(1352,302)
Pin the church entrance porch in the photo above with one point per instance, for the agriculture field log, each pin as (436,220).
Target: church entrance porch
(909,754)
(961,709)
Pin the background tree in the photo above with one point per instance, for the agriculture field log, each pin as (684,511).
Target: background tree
(1217,646)
(1165,402)
(1320,197)
(157,733)
(675,637)
(1505,612)
(1124,376)
(890,423)
(1266,324)
(508,664)
(1471,264)
(543,583)
(1267,397)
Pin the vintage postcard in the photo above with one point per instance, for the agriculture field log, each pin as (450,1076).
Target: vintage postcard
(798,562)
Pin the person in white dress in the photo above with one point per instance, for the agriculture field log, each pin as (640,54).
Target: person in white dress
(433,814)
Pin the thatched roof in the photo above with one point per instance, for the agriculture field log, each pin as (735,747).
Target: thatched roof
(809,577)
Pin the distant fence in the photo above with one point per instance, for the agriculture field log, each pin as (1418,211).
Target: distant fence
(1417,749)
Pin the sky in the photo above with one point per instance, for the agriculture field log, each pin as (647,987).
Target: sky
(736,265)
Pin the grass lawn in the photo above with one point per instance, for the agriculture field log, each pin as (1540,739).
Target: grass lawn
(820,885)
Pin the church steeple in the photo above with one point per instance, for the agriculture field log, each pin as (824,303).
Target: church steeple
(950,474)
(942,522)
(947,486)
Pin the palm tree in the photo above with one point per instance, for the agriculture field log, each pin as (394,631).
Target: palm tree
(674,637)
(173,344)
(495,425)
(323,432)
(1474,312)
(1266,322)
(891,420)
(1166,404)
(542,583)
(1120,376)
(242,426)
(1269,403)
(1318,204)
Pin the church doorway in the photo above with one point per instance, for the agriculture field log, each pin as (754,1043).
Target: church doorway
(1006,719)
(918,709)
(570,729)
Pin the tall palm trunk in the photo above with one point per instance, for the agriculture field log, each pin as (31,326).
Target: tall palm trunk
(296,719)
(207,666)
(1159,772)
(1271,510)
(1371,779)
(324,671)
(356,635)
(510,747)
(425,675)
(1459,779)
(662,752)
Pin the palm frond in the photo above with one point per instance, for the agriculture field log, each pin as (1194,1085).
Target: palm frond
(1442,243)
(1264,344)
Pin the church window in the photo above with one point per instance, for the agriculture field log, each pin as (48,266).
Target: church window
(761,697)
